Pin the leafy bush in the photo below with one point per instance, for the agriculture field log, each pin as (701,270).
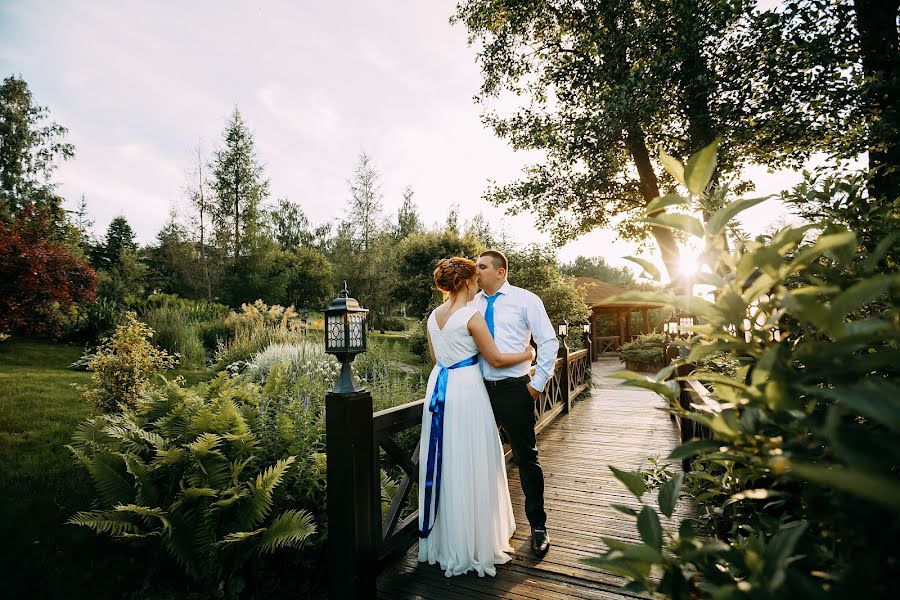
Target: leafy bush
(40,280)
(392,324)
(186,471)
(304,359)
(646,349)
(798,492)
(91,321)
(122,365)
(175,332)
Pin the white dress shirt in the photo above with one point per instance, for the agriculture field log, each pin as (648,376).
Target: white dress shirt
(519,315)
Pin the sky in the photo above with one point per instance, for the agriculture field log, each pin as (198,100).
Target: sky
(140,85)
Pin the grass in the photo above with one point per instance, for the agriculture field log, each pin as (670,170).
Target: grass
(41,487)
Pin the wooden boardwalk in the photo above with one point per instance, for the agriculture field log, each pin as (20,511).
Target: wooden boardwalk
(615,425)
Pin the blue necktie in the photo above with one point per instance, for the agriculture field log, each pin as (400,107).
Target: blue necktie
(489,313)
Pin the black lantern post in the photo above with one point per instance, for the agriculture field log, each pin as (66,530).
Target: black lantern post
(563,330)
(352,488)
(345,336)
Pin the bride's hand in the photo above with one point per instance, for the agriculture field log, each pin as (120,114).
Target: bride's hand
(530,350)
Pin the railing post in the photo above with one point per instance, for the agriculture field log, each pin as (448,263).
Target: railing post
(352,495)
(564,375)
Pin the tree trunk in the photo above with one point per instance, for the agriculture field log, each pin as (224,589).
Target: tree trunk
(880,53)
(237,217)
(649,186)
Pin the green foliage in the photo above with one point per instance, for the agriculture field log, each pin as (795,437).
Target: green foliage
(122,365)
(535,269)
(598,268)
(798,488)
(29,149)
(254,327)
(186,471)
(177,334)
(646,349)
(239,187)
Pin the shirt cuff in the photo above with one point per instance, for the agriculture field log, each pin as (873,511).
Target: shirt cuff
(538,382)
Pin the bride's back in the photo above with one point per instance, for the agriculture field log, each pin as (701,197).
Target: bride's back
(453,342)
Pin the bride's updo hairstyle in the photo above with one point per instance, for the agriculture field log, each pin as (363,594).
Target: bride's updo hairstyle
(452,274)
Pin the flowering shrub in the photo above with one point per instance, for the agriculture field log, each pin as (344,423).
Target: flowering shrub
(40,280)
(303,358)
(122,365)
(253,329)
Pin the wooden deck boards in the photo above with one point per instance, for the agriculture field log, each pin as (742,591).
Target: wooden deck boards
(613,426)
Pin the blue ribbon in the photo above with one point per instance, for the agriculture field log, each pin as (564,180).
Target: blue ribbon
(436,442)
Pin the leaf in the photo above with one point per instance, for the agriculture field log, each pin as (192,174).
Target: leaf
(624,509)
(290,529)
(668,494)
(687,529)
(880,250)
(104,521)
(693,447)
(633,480)
(679,222)
(661,202)
(649,528)
(859,294)
(666,389)
(648,267)
(700,168)
(672,166)
(724,215)
(875,488)
(876,399)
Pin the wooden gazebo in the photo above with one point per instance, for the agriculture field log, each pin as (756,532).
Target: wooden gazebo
(597,293)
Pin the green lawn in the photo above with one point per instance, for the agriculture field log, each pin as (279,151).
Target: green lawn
(41,487)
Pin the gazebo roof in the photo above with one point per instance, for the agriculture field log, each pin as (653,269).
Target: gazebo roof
(598,292)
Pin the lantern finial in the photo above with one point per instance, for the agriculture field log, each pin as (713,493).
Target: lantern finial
(345,293)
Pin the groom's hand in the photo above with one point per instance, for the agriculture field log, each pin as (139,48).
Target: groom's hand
(534,393)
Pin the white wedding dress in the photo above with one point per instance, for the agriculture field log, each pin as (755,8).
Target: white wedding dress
(474,520)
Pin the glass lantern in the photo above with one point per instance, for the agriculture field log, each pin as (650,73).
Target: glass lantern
(345,336)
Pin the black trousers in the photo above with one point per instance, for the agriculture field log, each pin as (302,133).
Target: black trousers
(514,411)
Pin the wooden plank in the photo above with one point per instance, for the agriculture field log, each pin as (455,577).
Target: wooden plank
(610,425)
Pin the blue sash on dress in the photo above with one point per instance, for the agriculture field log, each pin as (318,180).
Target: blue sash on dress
(436,442)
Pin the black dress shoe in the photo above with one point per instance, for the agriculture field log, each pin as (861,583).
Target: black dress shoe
(540,540)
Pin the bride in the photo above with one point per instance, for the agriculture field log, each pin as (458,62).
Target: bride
(465,513)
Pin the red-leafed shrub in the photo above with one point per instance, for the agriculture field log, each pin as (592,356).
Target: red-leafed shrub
(40,280)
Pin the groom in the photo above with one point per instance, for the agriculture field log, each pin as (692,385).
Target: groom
(514,316)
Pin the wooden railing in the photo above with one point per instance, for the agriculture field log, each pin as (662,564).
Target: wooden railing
(399,523)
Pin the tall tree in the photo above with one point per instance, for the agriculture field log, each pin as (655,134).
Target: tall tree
(117,262)
(598,268)
(289,225)
(607,83)
(239,185)
(200,197)
(366,203)
(408,220)
(479,229)
(879,45)
(29,148)
(119,238)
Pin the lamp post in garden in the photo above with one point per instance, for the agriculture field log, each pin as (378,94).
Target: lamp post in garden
(563,331)
(586,328)
(349,443)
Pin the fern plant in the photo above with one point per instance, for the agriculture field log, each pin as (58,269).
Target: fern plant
(183,470)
